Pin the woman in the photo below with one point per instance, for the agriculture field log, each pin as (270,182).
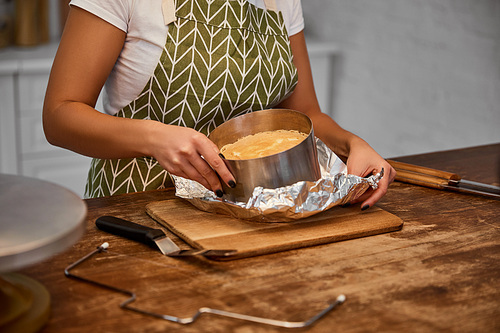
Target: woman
(173,71)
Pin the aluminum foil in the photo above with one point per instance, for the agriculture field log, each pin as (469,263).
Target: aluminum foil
(288,203)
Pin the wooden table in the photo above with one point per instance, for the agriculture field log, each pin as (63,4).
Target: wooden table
(441,272)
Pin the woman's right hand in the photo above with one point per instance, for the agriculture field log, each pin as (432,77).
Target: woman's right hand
(187,153)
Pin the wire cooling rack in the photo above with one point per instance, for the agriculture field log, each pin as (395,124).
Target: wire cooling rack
(127,304)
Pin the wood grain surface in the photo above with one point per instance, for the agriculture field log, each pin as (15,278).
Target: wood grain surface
(440,273)
(204,230)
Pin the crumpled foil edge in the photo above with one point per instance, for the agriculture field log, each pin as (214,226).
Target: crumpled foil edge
(288,203)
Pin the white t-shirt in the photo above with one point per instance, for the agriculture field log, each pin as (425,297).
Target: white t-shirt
(142,20)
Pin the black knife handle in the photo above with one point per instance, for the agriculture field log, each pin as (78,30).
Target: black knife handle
(127,229)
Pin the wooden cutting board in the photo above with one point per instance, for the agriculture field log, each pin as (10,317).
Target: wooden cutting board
(214,231)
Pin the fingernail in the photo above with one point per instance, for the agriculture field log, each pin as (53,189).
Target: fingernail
(219,193)
(365,207)
(221,156)
(232,184)
(346,205)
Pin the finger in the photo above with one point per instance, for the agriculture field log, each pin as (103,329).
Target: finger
(365,195)
(188,171)
(181,166)
(379,192)
(376,196)
(189,160)
(213,157)
(206,171)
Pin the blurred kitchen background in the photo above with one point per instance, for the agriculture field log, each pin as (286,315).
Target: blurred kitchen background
(408,76)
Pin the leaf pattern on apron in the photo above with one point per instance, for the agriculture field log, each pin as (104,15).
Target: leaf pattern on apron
(222,59)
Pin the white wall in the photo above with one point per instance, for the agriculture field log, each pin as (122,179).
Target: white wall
(413,75)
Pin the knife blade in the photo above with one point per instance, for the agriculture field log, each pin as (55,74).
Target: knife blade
(152,237)
(428,177)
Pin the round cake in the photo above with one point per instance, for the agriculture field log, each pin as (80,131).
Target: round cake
(262,144)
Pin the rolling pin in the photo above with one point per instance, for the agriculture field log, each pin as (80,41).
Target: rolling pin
(443,180)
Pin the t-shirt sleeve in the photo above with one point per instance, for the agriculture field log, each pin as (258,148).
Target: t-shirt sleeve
(115,12)
(294,16)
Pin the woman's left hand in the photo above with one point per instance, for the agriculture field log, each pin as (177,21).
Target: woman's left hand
(364,161)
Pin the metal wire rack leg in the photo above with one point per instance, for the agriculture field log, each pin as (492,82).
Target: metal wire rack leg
(188,320)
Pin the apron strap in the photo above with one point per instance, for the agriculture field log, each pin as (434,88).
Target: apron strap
(168,10)
(271,5)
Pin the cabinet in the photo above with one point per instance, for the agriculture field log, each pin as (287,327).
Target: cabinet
(23,148)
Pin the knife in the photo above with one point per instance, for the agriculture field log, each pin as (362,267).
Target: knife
(152,237)
(428,177)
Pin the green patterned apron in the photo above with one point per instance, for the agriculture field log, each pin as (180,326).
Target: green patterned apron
(222,59)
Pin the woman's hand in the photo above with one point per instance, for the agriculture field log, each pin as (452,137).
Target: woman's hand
(364,161)
(189,154)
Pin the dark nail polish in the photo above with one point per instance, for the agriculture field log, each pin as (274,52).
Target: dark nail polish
(219,193)
(365,207)
(232,184)
(221,156)
(346,205)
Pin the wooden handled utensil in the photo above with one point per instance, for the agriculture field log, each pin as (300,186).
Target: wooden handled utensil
(428,177)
